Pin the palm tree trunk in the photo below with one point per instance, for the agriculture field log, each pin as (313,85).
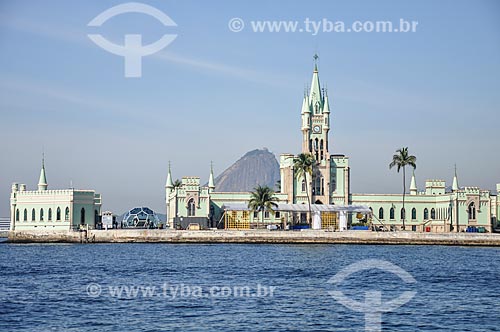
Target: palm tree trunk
(262,216)
(404,193)
(308,199)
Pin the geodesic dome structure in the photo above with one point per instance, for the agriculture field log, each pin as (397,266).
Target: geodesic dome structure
(140,217)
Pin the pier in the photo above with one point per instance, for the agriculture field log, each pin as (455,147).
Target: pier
(255,236)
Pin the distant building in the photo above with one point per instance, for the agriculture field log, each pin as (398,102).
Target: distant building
(56,209)
(4,224)
(108,220)
(140,217)
(433,210)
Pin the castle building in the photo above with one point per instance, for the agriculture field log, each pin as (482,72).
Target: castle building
(431,210)
(52,209)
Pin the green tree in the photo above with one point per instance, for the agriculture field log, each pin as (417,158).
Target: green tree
(303,164)
(262,198)
(177,183)
(400,160)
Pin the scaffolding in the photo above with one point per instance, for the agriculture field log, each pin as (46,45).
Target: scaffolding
(236,220)
(329,220)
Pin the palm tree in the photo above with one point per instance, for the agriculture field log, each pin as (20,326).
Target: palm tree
(177,183)
(402,159)
(303,164)
(262,198)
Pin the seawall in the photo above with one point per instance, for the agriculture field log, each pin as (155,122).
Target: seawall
(255,236)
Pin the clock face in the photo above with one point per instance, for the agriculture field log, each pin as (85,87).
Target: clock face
(317,129)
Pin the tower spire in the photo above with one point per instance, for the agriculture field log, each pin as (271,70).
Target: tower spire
(413,184)
(454,187)
(169,183)
(315,97)
(211,184)
(42,181)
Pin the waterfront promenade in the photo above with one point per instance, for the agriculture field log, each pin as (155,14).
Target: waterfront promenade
(255,236)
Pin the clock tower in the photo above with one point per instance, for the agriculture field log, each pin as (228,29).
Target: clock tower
(329,181)
(315,119)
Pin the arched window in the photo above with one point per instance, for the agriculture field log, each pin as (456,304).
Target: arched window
(50,214)
(66,214)
(58,214)
(17,214)
(303,186)
(433,213)
(317,185)
(472,211)
(33,215)
(25,215)
(391,214)
(381,213)
(413,214)
(82,216)
(41,214)
(403,214)
(191,208)
(426,214)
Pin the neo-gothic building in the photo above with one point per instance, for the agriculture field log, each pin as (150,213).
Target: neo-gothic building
(52,209)
(433,209)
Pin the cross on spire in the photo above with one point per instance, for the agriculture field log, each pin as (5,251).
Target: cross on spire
(315,57)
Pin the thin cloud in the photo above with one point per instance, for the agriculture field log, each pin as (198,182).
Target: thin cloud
(80,38)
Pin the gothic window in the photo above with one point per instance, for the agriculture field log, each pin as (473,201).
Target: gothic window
(391,214)
(191,208)
(25,215)
(321,149)
(41,214)
(82,216)
(381,213)
(303,186)
(472,211)
(32,214)
(433,213)
(317,185)
(66,214)
(403,214)
(17,214)
(58,214)
(413,214)
(50,214)
(426,214)
(310,145)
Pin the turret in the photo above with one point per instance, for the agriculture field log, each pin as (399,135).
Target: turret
(413,185)
(326,110)
(42,181)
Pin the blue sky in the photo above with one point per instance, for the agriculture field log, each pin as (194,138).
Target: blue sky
(214,94)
